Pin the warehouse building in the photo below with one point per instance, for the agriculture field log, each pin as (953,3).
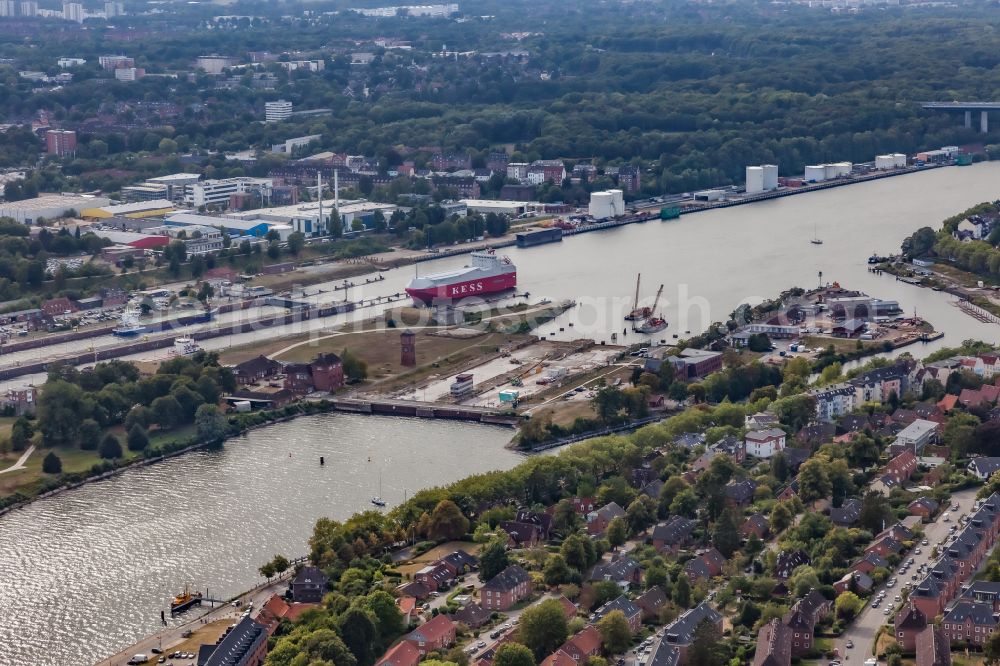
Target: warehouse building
(305,217)
(485,206)
(49,207)
(891,161)
(232,226)
(216,193)
(140,209)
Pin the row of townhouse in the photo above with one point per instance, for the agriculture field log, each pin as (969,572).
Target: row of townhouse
(438,575)
(959,560)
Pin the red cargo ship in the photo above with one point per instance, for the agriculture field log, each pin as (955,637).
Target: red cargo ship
(488,274)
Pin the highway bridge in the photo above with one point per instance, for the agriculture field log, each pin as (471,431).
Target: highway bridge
(967,107)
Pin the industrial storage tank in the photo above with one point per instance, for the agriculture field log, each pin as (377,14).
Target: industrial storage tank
(602,205)
(815,173)
(755,179)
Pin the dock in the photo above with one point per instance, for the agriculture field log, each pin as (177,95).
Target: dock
(425,410)
(977,312)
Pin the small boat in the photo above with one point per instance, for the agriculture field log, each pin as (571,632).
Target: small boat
(185,600)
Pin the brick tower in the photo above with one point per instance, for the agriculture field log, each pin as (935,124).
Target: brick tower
(408,348)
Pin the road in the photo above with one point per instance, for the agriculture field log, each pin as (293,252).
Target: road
(172,636)
(864,628)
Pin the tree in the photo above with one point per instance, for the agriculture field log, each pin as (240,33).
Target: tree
(685,504)
(779,466)
(210,424)
(493,559)
(615,632)
(60,410)
(110,447)
(991,651)
(543,628)
(138,415)
(167,412)
(355,370)
(447,521)
(576,553)
(617,532)
(875,511)
(781,517)
(358,632)
(52,464)
(21,433)
(556,571)
(641,513)
(389,619)
(513,654)
(803,579)
(296,241)
(706,647)
(726,536)
(814,483)
(848,605)
(682,591)
(266,570)
(565,518)
(90,435)
(137,439)
(920,243)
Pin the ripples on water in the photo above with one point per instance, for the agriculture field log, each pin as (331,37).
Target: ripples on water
(88,571)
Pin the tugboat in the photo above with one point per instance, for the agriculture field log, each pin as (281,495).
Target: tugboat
(653,324)
(185,600)
(637,313)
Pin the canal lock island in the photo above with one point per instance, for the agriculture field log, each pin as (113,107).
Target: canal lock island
(499,334)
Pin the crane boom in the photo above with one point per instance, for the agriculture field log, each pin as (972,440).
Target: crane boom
(656,300)
(635,304)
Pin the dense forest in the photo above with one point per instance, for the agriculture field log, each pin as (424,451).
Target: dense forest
(693,93)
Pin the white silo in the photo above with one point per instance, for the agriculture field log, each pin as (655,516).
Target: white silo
(755,179)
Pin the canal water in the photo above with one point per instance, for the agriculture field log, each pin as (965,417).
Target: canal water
(86,573)
(92,568)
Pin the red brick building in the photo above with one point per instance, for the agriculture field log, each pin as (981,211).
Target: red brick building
(61,143)
(401,654)
(507,588)
(435,634)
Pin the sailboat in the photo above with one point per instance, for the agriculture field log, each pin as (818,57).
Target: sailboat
(816,240)
(377,500)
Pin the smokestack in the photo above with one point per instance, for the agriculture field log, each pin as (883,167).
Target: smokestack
(336,190)
(319,195)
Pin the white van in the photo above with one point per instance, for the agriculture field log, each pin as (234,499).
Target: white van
(946,517)
(138,659)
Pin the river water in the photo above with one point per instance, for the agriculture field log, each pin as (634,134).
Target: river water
(94,566)
(87,572)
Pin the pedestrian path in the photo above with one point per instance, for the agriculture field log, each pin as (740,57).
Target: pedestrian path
(20,461)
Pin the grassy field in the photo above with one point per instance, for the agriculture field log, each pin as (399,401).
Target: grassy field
(74,460)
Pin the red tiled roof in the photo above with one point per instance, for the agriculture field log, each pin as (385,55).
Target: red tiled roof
(401,654)
(435,628)
(587,640)
(559,658)
(948,402)
(406,604)
(569,608)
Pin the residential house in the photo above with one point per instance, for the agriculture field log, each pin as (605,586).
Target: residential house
(706,564)
(689,440)
(652,602)
(507,588)
(924,507)
(665,654)
(471,615)
(276,609)
(404,653)
(569,608)
(434,635)
(885,546)
(984,467)
(801,619)
(624,572)
(765,443)
(970,622)
(834,401)
(459,562)
(756,524)
(583,644)
(774,645)
(877,385)
(413,589)
(847,514)
(908,623)
(933,647)
(632,613)
(984,592)
(673,534)
(598,521)
(522,535)
(256,369)
(788,561)
(542,521)
(761,421)
(557,658)
(740,493)
(733,447)
(902,467)
(435,576)
(854,581)
(680,632)
(814,434)
(407,606)
(869,562)
(244,645)
(795,457)
(309,585)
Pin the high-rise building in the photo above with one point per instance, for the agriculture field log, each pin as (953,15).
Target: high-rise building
(73,11)
(112,62)
(275,112)
(60,142)
(113,9)
(7,8)
(29,8)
